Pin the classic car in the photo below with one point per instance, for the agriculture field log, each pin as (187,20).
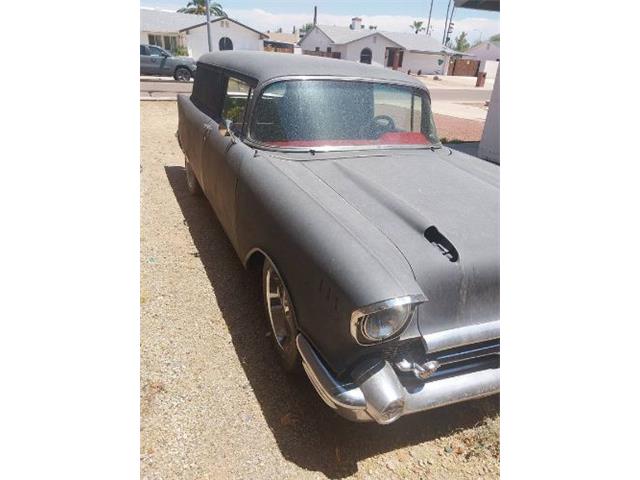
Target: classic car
(378,246)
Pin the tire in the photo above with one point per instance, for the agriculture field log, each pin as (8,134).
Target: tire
(192,182)
(182,74)
(281,316)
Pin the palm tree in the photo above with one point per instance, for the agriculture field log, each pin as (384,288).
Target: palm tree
(417,25)
(198,7)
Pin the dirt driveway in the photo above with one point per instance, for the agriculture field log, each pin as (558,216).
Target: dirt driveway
(214,403)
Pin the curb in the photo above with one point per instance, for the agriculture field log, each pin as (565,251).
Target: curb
(158,99)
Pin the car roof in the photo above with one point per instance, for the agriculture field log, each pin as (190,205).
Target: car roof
(264,66)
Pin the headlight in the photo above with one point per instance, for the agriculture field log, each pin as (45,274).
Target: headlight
(383,321)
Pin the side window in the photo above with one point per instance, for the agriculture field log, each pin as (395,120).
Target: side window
(266,125)
(208,90)
(156,51)
(403,106)
(235,103)
(143,50)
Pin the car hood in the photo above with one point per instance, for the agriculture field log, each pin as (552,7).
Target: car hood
(441,210)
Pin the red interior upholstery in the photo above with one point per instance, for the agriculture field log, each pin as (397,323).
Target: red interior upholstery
(389,138)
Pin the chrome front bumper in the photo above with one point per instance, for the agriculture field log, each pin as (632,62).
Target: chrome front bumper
(381,397)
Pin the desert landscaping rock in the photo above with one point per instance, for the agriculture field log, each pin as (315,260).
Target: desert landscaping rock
(214,403)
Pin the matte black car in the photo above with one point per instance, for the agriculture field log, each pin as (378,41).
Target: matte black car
(157,61)
(379,247)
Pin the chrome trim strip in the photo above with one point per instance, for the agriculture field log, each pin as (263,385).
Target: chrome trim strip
(260,87)
(383,305)
(459,337)
(330,390)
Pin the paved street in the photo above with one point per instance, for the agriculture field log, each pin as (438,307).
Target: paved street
(169,88)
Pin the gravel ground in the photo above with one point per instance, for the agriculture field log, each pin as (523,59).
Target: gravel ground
(453,128)
(214,403)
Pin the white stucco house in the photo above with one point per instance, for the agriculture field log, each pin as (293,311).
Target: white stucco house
(489,55)
(489,147)
(171,30)
(408,51)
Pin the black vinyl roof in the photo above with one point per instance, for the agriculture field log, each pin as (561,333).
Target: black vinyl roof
(264,66)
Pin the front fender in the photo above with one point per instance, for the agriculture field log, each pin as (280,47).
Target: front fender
(333,260)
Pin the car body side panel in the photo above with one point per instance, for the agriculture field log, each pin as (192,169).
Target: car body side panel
(192,125)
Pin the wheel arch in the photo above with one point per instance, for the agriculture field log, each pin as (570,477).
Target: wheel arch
(178,67)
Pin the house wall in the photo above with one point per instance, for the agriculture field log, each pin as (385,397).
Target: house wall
(490,67)
(485,51)
(426,62)
(144,37)
(315,38)
(377,43)
(490,143)
(242,38)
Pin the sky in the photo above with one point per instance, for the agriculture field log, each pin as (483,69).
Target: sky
(386,15)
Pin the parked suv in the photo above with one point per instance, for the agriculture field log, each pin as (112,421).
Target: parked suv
(157,61)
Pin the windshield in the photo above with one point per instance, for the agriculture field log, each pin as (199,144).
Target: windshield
(326,113)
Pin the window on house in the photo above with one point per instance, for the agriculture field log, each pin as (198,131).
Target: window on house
(366,55)
(155,40)
(225,43)
(235,103)
(171,43)
(317,49)
(328,49)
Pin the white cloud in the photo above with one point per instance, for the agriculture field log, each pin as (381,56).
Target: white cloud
(263,20)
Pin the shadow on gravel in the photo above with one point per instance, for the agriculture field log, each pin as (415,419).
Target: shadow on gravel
(308,433)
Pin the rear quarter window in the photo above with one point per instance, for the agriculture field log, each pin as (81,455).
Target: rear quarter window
(208,90)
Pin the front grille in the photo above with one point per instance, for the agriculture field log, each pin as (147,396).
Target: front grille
(468,358)
(453,361)
(459,354)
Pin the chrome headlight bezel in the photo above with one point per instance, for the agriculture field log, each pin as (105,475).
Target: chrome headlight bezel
(406,307)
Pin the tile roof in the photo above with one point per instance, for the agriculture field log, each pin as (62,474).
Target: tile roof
(408,41)
(283,37)
(161,21)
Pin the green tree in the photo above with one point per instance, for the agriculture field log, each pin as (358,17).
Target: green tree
(198,7)
(306,28)
(495,38)
(461,44)
(417,26)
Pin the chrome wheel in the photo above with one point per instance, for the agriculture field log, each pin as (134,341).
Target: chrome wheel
(279,308)
(280,311)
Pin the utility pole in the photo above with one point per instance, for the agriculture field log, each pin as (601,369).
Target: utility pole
(446,21)
(429,22)
(450,29)
(315,16)
(206,5)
